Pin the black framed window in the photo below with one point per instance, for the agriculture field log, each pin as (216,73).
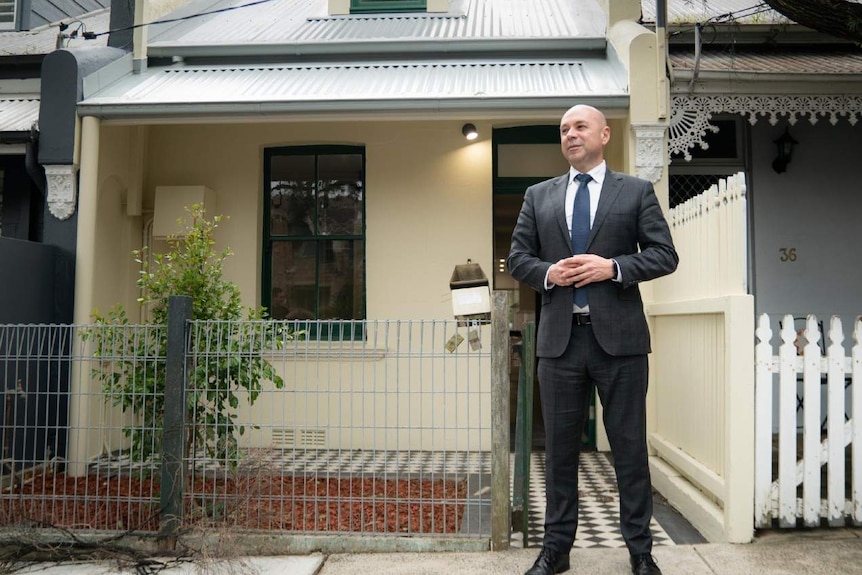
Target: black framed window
(360,6)
(314,232)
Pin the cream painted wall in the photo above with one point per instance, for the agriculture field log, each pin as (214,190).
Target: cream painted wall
(428,203)
(116,234)
(428,208)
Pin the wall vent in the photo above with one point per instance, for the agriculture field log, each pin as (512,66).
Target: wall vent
(289,437)
(283,437)
(312,438)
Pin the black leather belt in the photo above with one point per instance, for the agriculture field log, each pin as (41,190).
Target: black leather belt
(581,319)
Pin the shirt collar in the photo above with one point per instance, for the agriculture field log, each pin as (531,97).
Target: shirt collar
(597,173)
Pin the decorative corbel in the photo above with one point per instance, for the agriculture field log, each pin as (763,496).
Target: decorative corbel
(62,189)
(649,142)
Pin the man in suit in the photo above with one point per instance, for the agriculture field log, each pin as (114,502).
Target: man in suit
(586,256)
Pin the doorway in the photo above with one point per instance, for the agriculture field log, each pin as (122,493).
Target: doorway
(522,156)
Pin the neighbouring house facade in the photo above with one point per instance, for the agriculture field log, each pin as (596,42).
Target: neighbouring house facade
(29,241)
(757,95)
(743,77)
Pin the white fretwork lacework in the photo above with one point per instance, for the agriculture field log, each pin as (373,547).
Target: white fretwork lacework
(62,190)
(649,160)
(690,118)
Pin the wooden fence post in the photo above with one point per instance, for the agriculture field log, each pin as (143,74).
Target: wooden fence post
(500,520)
(174,429)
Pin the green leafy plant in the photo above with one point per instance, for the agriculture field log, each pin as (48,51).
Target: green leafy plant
(226,344)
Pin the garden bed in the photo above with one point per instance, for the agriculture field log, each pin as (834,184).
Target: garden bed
(363,504)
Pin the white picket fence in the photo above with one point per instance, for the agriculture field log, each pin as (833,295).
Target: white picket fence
(702,319)
(798,372)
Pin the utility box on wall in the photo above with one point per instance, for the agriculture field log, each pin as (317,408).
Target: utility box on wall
(471,296)
(170,206)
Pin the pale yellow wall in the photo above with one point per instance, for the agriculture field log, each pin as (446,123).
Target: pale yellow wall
(621,10)
(116,233)
(396,393)
(428,203)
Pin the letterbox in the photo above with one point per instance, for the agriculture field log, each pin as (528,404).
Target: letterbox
(471,296)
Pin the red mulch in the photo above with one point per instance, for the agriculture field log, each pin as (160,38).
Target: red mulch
(270,502)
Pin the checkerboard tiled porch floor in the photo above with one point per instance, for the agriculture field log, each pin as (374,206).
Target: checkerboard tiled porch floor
(598,521)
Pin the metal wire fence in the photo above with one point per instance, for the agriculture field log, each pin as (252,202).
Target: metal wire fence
(64,442)
(371,427)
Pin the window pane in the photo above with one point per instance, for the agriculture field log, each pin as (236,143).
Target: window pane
(342,279)
(291,196)
(341,195)
(293,274)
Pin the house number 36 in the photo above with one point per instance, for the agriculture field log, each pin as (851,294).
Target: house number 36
(787,254)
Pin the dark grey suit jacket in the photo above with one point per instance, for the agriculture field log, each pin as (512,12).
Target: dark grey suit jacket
(629,226)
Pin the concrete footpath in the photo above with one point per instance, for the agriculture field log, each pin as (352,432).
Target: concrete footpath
(800,552)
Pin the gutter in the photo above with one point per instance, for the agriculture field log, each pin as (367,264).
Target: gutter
(353,48)
(183,111)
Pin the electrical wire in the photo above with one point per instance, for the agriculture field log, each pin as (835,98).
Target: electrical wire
(758,8)
(93,35)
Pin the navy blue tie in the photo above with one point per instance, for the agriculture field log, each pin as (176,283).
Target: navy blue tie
(581,228)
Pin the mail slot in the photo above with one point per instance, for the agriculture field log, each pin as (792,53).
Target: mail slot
(471,296)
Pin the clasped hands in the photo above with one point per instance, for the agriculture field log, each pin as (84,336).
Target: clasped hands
(581,270)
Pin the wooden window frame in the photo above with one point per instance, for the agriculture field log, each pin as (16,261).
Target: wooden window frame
(333,329)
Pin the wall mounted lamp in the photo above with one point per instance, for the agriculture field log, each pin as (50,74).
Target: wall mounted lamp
(785,146)
(470,132)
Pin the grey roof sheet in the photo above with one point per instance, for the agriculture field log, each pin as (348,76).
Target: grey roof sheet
(767,60)
(43,40)
(692,11)
(18,114)
(307,22)
(373,87)
(47,11)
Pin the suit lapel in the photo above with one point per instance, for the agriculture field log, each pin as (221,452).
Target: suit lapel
(610,190)
(558,195)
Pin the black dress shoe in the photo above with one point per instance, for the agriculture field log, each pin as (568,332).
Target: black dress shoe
(549,562)
(644,565)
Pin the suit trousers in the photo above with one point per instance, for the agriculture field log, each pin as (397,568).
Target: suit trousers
(565,385)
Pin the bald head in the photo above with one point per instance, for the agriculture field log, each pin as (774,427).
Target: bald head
(594,113)
(584,132)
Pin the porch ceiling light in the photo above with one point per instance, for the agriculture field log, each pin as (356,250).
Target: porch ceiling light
(470,132)
(785,146)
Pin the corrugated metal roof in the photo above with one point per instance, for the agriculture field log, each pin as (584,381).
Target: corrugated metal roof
(18,114)
(44,12)
(373,87)
(692,11)
(43,40)
(307,22)
(747,59)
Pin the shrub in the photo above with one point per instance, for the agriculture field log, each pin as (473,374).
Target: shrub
(228,343)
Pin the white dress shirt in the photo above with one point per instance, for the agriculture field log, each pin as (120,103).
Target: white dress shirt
(595,186)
